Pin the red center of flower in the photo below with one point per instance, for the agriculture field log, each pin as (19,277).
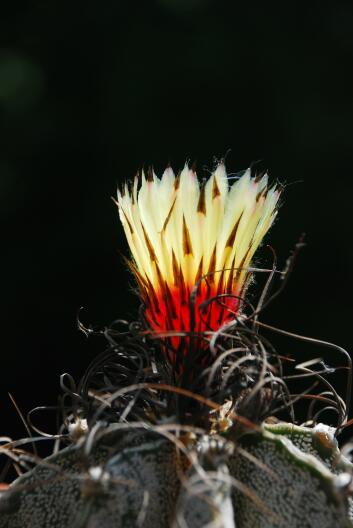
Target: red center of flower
(191,313)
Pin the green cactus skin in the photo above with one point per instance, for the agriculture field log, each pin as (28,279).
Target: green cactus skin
(300,480)
(109,493)
(318,441)
(308,487)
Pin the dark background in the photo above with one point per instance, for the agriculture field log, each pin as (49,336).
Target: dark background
(91,90)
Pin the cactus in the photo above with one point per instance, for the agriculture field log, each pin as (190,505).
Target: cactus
(264,480)
(183,420)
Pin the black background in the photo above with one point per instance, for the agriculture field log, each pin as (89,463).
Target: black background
(89,91)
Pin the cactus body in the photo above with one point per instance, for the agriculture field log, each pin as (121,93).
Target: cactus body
(306,488)
(296,478)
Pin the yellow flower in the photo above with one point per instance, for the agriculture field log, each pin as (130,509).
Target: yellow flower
(185,234)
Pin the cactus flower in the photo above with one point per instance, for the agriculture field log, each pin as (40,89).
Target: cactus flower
(192,243)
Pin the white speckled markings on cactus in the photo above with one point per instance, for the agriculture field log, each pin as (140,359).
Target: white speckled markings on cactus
(140,487)
(52,499)
(306,493)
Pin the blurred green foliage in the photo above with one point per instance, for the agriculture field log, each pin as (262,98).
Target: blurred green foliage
(21,82)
